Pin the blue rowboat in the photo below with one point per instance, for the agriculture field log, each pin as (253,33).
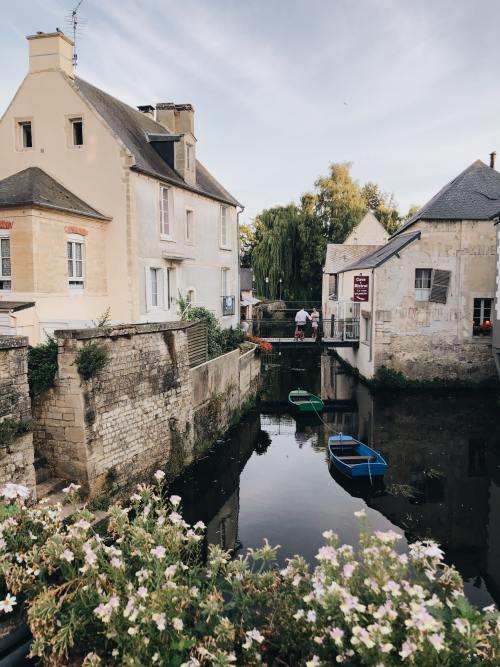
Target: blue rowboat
(355,459)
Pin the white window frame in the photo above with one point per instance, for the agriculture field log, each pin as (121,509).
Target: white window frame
(189,239)
(71,131)
(224,282)
(224,228)
(482,318)
(367,333)
(423,293)
(165,216)
(78,285)
(20,123)
(155,295)
(5,234)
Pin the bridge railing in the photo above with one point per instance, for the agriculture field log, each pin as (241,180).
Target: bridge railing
(346,329)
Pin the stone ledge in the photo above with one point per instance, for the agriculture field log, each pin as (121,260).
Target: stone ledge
(11,342)
(122,330)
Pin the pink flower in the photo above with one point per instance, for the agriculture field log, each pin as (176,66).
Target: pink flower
(437,640)
(159,551)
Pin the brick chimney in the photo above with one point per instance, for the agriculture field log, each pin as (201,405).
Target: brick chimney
(179,119)
(50,51)
(492,159)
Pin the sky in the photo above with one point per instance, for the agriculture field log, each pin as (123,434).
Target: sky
(409,92)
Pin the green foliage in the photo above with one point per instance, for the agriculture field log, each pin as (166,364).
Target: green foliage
(247,242)
(142,593)
(103,319)
(11,428)
(42,366)
(219,340)
(91,359)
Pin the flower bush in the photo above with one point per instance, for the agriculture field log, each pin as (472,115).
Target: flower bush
(264,345)
(139,593)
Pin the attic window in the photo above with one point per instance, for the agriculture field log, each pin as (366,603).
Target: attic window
(25,134)
(76,131)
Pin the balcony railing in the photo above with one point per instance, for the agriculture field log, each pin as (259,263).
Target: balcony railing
(228,305)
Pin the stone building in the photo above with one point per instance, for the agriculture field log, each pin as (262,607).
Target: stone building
(423,302)
(103,206)
(496,312)
(368,235)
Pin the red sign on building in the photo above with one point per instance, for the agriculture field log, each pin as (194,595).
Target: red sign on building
(361,288)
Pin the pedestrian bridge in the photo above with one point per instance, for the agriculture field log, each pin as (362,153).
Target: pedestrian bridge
(334,333)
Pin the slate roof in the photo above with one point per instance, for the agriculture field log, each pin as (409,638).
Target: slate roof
(34,187)
(133,127)
(472,195)
(338,255)
(383,253)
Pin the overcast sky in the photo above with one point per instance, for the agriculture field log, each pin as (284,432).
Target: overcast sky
(407,91)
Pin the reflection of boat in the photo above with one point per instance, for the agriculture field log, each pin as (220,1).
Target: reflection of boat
(358,487)
(354,458)
(304,401)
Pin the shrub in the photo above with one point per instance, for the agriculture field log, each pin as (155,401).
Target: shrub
(11,428)
(42,366)
(91,359)
(141,594)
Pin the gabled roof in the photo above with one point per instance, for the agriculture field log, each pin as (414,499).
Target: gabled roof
(132,127)
(472,195)
(338,255)
(383,253)
(34,187)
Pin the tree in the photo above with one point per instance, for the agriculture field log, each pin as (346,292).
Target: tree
(247,242)
(383,206)
(339,204)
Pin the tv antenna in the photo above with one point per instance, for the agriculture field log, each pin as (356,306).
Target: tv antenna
(76,23)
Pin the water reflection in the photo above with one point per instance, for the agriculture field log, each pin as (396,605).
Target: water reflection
(271,477)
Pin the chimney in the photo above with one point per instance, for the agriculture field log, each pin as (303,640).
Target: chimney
(148,110)
(49,52)
(179,119)
(492,159)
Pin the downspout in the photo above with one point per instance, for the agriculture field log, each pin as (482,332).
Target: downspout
(372,323)
(238,283)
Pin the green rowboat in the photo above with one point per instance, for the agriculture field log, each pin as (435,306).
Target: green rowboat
(304,401)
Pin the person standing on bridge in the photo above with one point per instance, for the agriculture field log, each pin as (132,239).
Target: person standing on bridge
(315,323)
(300,322)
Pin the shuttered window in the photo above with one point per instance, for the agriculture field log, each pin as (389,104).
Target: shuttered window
(5,266)
(439,287)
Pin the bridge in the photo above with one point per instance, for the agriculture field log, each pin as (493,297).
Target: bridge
(281,331)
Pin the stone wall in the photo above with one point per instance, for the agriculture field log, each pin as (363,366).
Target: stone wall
(16,452)
(145,409)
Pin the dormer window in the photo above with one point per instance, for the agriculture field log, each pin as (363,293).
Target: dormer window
(25,135)
(76,131)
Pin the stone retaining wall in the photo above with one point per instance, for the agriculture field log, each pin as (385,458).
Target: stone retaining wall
(16,453)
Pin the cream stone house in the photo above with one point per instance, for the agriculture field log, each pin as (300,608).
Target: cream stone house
(496,312)
(423,302)
(366,236)
(103,206)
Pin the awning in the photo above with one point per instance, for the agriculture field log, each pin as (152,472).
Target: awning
(174,257)
(249,301)
(14,306)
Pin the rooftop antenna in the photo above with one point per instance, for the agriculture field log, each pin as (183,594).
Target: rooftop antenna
(76,23)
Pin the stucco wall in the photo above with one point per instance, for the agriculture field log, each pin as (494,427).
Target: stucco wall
(421,339)
(496,314)
(16,454)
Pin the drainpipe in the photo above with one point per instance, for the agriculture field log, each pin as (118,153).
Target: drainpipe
(238,283)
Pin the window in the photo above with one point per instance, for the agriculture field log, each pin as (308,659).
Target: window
(223,227)
(333,280)
(25,134)
(189,226)
(165,230)
(5,268)
(367,333)
(423,279)
(169,287)
(189,157)
(76,131)
(482,317)
(76,262)
(155,287)
(191,297)
(224,281)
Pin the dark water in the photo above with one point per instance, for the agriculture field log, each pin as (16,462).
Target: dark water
(270,477)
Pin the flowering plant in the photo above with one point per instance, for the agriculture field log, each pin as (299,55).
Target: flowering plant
(264,345)
(140,593)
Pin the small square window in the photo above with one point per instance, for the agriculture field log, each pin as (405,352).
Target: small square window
(26,134)
(77,131)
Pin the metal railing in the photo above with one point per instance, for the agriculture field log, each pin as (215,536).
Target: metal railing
(284,328)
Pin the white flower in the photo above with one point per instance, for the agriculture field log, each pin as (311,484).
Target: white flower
(199,525)
(336,634)
(159,551)
(71,488)
(311,616)
(8,604)
(314,662)
(13,491)
(82,524)
(159,475)
(300,614)
(360,513)
(133,630)
(437,640)
(142,592)
(160,620)
(175,500)
(462,625)
(177,624)
(68,555)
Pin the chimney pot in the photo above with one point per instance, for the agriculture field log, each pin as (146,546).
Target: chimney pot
(492,159)
(147,109)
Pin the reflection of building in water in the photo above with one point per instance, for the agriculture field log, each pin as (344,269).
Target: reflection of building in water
(210,488)
(337,385)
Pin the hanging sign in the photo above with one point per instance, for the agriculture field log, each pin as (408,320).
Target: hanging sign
(361,288)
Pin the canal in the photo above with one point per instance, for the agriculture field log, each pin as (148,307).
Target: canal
(270,476)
